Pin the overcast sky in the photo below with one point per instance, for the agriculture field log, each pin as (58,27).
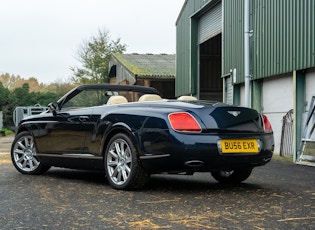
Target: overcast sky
(39,38)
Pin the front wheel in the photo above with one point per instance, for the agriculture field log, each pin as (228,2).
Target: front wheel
(122,165)
(23,155)
(232,176)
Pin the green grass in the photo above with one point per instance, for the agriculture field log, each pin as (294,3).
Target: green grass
(6,131)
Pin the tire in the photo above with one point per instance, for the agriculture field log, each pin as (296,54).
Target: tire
(23,155)
(123,168)
(232,177)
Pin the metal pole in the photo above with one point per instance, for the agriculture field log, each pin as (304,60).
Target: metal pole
(246,54)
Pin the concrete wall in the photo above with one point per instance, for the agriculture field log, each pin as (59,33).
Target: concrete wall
(277,99)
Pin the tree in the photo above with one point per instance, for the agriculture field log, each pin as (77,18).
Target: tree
(59,88)
(18,97)
(18,91)
(94,55)
(22,96)
(4,96)
(11,82)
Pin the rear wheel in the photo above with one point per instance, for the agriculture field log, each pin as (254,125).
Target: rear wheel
(122,165)
(23,155)
(232,176)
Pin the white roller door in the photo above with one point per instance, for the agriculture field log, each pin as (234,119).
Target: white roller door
(229,90)
(210,24)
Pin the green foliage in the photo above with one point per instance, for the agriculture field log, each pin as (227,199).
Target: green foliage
(94,55)
(4,95)
(6,131)
(10,99)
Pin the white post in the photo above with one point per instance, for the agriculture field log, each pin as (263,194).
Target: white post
(1,120)
(246,54)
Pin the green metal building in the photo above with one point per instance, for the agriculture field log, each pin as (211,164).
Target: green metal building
(210,56)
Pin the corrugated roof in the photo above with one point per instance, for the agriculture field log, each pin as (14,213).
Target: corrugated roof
(149,65)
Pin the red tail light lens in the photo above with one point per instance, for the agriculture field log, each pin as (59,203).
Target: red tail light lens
(267,124)
(184,122)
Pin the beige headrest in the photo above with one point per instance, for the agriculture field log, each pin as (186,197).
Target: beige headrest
(117,99)
(187,98)
(150,97)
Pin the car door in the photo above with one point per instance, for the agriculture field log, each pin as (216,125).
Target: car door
(65,132)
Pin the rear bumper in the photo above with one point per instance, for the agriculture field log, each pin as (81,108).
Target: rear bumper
(199,153)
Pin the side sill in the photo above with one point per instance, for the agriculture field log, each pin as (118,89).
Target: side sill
(75,155)
(154,156)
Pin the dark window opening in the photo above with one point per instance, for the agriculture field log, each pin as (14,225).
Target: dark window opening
(210,82)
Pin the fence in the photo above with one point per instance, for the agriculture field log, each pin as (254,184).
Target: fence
(286,145)
(20,112)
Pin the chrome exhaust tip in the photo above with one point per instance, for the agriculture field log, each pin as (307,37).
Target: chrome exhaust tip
(194,163)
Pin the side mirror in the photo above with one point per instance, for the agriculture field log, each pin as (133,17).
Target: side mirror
(53,107)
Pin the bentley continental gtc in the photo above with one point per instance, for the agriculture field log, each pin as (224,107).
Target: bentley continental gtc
(130,132)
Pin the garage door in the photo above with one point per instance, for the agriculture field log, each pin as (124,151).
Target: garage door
(229,90)
(210,24)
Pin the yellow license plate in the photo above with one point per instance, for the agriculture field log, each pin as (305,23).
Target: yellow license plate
(239,146)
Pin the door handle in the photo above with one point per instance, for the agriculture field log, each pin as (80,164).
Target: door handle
(83,118)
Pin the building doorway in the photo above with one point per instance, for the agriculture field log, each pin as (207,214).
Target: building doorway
(210,81)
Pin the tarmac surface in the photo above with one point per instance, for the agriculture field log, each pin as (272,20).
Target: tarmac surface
(280,195)
(5,144)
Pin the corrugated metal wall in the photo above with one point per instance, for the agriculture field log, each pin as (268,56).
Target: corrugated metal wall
(233,37)
(184,78)
(283,37)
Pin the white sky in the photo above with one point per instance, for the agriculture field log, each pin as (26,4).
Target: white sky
(39,38)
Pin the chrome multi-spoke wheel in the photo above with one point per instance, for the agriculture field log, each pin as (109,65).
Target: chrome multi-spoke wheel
(23,154)
(119,161)
(123,169)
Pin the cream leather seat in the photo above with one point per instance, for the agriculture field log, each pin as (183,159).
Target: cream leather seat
(187,98)
(117,99)
(149,97)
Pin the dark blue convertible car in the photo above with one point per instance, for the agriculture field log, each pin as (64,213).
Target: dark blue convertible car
(130,132)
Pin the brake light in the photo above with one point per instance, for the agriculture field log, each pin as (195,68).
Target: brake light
(183,122)
(267,124)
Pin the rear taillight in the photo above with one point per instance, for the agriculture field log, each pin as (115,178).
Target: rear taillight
(267,124)
(184,122)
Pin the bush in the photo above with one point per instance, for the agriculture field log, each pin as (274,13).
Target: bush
(4,132)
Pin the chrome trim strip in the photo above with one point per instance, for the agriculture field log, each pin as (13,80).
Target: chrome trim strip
(70,155)
(154,156)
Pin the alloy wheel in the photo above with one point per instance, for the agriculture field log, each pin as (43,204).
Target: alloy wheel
(24,154)
(119,161)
